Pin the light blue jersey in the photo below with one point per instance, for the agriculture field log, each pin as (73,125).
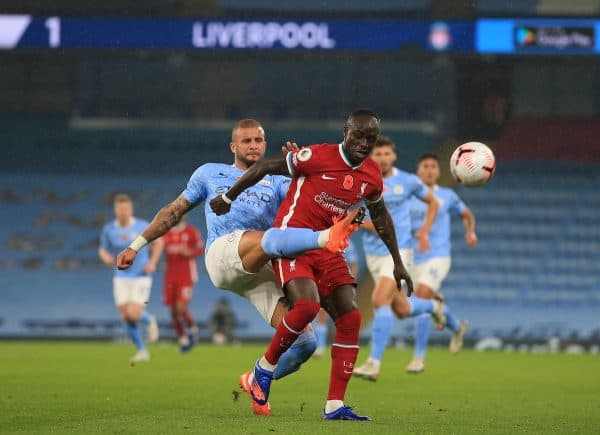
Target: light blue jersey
(254,209)
(439,235)
(351,254)
(397,190)
(115,238)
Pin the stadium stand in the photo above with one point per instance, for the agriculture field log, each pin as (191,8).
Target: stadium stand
(53,278)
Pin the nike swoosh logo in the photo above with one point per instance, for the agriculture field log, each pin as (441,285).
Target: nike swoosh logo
(325,177)
(348,372)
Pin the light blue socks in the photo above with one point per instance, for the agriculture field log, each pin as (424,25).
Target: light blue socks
(145,318)
(380,331)
(420,306)
(422,330)
(289,242)
(135,334)
(321,335)
(291,360)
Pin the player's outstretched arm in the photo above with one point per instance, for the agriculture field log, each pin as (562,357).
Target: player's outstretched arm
(166,218)
(423,234)
(385,228)
(469,221)
(274,166)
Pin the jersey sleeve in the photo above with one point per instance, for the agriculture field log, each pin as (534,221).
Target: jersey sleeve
(457,206)
(305,161)
(196,191)
(376,192)
(104,241)
(282,188)
(196,242)
(418,189)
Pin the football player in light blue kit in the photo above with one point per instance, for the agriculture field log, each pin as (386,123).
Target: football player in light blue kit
(241,243)
(131,288)
(432,267)
(321,323)
(399,187)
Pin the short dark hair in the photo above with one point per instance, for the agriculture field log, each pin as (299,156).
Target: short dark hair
(244,123)
(426,156)
(356,113)
(122,197)
(385,141)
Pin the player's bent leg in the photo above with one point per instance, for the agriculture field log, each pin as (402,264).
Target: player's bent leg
(251,253)
(298,353)
(290,242)
(128,313)
(151,324)
(303,294)
(422,331)
(380,330)
(456,342)
(405,307)
(423,291)
(341,305)
(401,305)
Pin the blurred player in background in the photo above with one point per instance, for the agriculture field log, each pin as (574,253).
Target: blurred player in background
(399,186)
(241,244)
(321,323)
(131,288)
(222,322)
(183,244)
(328,179)
(432,267)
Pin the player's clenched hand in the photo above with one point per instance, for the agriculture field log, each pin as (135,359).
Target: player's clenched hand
(400,274)
(126,258)
(471,238)
(219,206)
(289,147)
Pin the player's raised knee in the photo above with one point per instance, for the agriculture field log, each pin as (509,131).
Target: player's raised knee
(309,309)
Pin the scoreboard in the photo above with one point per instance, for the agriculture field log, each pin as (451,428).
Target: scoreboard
(26,31)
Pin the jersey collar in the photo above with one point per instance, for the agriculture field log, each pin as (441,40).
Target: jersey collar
(345,157)
(394,172)
(126,226)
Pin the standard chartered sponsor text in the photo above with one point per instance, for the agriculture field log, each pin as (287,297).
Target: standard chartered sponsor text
(336,205)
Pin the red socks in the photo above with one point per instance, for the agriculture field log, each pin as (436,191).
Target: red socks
(177,324)
(344,351)
(188,319)
(292,325)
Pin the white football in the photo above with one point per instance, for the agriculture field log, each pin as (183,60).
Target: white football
(472,164)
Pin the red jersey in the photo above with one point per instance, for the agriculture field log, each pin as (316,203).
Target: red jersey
(325,185)
(181,268)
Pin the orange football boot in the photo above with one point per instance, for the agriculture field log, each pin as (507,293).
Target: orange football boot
(245,386)
(342,229)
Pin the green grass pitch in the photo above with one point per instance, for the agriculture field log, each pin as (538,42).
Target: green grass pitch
(90,388)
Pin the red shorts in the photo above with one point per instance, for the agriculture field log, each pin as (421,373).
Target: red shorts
(177,292)
(328,270)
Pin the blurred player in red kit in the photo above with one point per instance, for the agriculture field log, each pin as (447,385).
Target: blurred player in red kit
(183,244)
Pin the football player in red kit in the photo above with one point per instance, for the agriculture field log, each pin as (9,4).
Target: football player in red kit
(183,244)
(328,179)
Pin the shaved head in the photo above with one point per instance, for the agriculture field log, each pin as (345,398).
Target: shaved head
(248,143)
(245,123)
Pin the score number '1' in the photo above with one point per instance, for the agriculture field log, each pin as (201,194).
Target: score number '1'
(53,26)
